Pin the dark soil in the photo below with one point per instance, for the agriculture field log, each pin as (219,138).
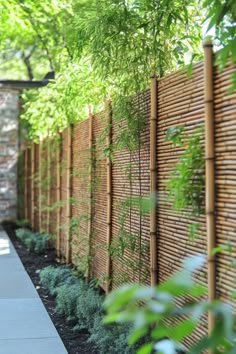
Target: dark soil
(75,342)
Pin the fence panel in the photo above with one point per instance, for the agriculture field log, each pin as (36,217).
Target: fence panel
(225,149)
(130,182)
(80,193)
(180,102)
(99,201)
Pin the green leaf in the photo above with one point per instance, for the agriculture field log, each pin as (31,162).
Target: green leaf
(145,349)
(137,334)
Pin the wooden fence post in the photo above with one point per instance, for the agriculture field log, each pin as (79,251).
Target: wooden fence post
(32,170)
(109,193)
(40,186)
(58,196)
(25,184)
(210,175)
(153,176)
(90,194)
(68,188)
(48,186)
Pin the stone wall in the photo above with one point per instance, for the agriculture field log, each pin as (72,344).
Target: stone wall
(9,147)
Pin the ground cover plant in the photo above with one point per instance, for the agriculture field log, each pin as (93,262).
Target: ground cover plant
(74,341)
(34,241)
(82,304)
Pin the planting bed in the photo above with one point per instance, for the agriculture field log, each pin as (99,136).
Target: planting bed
(75,342)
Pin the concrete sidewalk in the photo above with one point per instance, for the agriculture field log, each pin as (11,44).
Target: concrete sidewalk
(25,326)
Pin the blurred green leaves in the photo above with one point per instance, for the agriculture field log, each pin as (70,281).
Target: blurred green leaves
(162,325)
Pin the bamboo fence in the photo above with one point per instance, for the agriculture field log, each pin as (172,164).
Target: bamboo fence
(101,231)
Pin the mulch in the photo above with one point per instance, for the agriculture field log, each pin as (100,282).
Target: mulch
(75,342)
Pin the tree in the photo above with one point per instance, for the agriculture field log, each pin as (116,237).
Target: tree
(32,35)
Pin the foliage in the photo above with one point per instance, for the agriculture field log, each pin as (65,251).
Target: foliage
(63,102)
(221,17)
(186,183)
(130,40)
(82,303)
(66,300)
(89,306)
(23,233)
(51,278)
(35,241)
(153,311)
(110,339)
(33,39)
(22,223)
(103,49)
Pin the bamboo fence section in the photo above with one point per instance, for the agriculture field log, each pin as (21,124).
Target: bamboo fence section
(90,177)
(68,198)
(58,196)
(154,245)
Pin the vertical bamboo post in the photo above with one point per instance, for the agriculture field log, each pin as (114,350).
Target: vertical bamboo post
(40,186)
(68,189)
(48,186)
(25,184)
(109,192)
(32,184)
(58,196)
(90,193)
(210,174)
(153,176)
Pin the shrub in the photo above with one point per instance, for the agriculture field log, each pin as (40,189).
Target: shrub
(82,303)
(23,234)
(66,300)
(35,242)
(89,304)
(40,242)
(110,338)
(51,278)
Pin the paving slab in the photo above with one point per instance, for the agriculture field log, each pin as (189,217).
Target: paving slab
(10,264)
(31,346)
(15,284)
(6,247)
(25,326)
(24,318)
